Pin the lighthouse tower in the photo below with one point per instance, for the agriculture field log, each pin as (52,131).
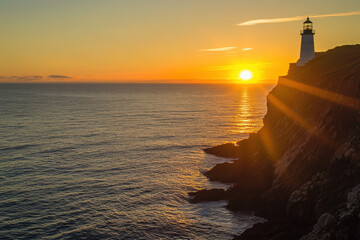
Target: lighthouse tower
(307,43)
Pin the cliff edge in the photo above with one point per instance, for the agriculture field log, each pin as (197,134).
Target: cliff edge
(301,171)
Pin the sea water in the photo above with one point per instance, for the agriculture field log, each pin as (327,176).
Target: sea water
(116,161)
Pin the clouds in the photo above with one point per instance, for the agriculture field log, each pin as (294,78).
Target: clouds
(31,78)
(270,20)
(225,49)
(58,76)
(292,19)
(22,78)
(222,49)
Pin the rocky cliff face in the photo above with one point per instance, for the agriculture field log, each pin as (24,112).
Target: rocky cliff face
(302,169)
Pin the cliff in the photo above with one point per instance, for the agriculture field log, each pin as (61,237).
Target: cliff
(301,171)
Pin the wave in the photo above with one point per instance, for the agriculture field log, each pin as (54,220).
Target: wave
(19,147)
(55,150)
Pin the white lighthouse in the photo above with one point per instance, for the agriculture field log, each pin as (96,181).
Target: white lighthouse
(307,43)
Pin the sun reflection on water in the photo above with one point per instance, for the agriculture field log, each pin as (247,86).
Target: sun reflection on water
(248,114)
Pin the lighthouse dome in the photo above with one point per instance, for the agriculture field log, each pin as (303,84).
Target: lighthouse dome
(308,20)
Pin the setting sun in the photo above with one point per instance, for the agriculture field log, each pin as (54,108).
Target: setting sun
(245,75)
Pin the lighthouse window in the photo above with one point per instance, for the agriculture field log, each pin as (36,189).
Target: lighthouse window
(307,26)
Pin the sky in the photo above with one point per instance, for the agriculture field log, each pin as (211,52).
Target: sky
(170,41)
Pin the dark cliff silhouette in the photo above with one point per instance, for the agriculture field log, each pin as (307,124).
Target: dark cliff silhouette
(301,171)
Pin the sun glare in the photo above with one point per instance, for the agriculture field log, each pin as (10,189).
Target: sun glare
(245,75)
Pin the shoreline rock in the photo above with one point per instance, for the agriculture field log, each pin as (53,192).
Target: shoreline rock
(216,194)
(227,150)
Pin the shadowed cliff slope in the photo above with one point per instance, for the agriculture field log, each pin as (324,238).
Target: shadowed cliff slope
(302,169)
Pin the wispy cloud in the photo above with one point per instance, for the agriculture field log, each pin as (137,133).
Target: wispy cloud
(58,76)
(296,18)
(21,78)
(223,49)
(29,78)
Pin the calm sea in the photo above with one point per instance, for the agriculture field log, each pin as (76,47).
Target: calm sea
(116,161)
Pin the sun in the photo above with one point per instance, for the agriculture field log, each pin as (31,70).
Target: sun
(245,75)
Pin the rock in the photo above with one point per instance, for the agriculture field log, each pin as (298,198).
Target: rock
(325,222)
(353,198)
(273,230)
(223,172)
(349,153)
(227,150)
(207,195)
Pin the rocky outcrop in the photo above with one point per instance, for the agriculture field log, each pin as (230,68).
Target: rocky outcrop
(207,195)
(302,169)
(227,150)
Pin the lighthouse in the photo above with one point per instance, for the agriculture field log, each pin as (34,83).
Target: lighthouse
(307,51)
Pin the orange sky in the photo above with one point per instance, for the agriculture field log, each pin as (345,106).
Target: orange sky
(162,41)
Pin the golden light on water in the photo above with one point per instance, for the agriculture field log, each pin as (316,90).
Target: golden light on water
(248,113)
(245,75)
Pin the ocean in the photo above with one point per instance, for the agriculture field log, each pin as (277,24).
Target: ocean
(116,161)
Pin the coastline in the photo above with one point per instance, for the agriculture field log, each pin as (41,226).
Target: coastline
(301,171)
